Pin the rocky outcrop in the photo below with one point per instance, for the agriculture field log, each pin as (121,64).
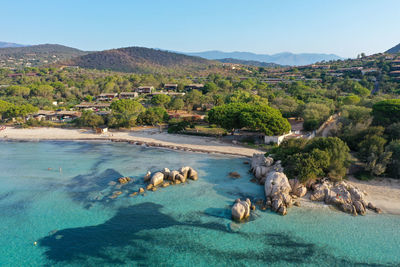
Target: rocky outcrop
(343,195)
(174,177)
(298,189)
(123,180)
(281,192)
(277,189)
(241,209)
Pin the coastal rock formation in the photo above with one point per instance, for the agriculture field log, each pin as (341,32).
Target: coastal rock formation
(281,192)
(241,209)
(175,177)
(298,189)
(277,189)
(343,195)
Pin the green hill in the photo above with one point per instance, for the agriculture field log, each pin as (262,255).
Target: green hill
(36,55)
(143,60)
(394,50)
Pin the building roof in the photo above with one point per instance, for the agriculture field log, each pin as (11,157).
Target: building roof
(93,105)
(170,85)
(128,93)
(108,94)
(196,85)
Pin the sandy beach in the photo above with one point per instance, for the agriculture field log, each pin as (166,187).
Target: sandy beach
(151,136)
(383,192)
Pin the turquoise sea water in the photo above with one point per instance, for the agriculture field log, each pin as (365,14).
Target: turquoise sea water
(74,223)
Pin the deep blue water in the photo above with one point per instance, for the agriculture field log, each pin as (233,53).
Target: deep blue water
(68,213)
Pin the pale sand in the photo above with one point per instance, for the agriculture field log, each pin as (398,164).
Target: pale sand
(150,136)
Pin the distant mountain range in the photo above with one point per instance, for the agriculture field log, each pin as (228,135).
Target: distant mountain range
(143,60)
(281,58)
(394,50)
(148,60)
(5,44)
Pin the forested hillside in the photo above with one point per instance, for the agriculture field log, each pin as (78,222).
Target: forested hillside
(143,60)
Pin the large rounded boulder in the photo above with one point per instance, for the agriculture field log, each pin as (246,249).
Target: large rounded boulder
(157,178)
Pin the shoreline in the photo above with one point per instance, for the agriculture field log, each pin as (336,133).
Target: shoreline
(149,137)
(384,192)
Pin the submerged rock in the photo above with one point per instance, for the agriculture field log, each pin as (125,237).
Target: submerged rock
(234,175)
(124,180)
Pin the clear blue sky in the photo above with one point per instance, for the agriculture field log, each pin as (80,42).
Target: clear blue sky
(343,27)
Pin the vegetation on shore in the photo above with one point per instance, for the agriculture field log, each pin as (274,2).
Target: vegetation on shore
(365,103)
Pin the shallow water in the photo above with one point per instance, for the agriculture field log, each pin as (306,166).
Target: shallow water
(68,213)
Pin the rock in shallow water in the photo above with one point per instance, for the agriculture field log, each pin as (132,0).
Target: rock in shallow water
(157,178)
(241,210)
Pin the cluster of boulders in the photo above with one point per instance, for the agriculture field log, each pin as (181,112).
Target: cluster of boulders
(166,177)
(281,192)
(124,180)
(163,178)
(343,195)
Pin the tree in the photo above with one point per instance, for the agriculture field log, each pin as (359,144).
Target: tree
(308,166)
(351,100)
(393,131)
(153,116)
(125,113)
(210,87)
(19,111)
(315,158)
(287,105)
(4,106)
(251,116)
(88,98)
(192,99)
(386,112)
(314,115)
(356,114)
(338,152)
(394,165)
(176,104)
(44,90)
(160,100)
(17,90)
(372,153)
(90,119)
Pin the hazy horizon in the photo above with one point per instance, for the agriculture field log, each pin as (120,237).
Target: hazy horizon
(265,27)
